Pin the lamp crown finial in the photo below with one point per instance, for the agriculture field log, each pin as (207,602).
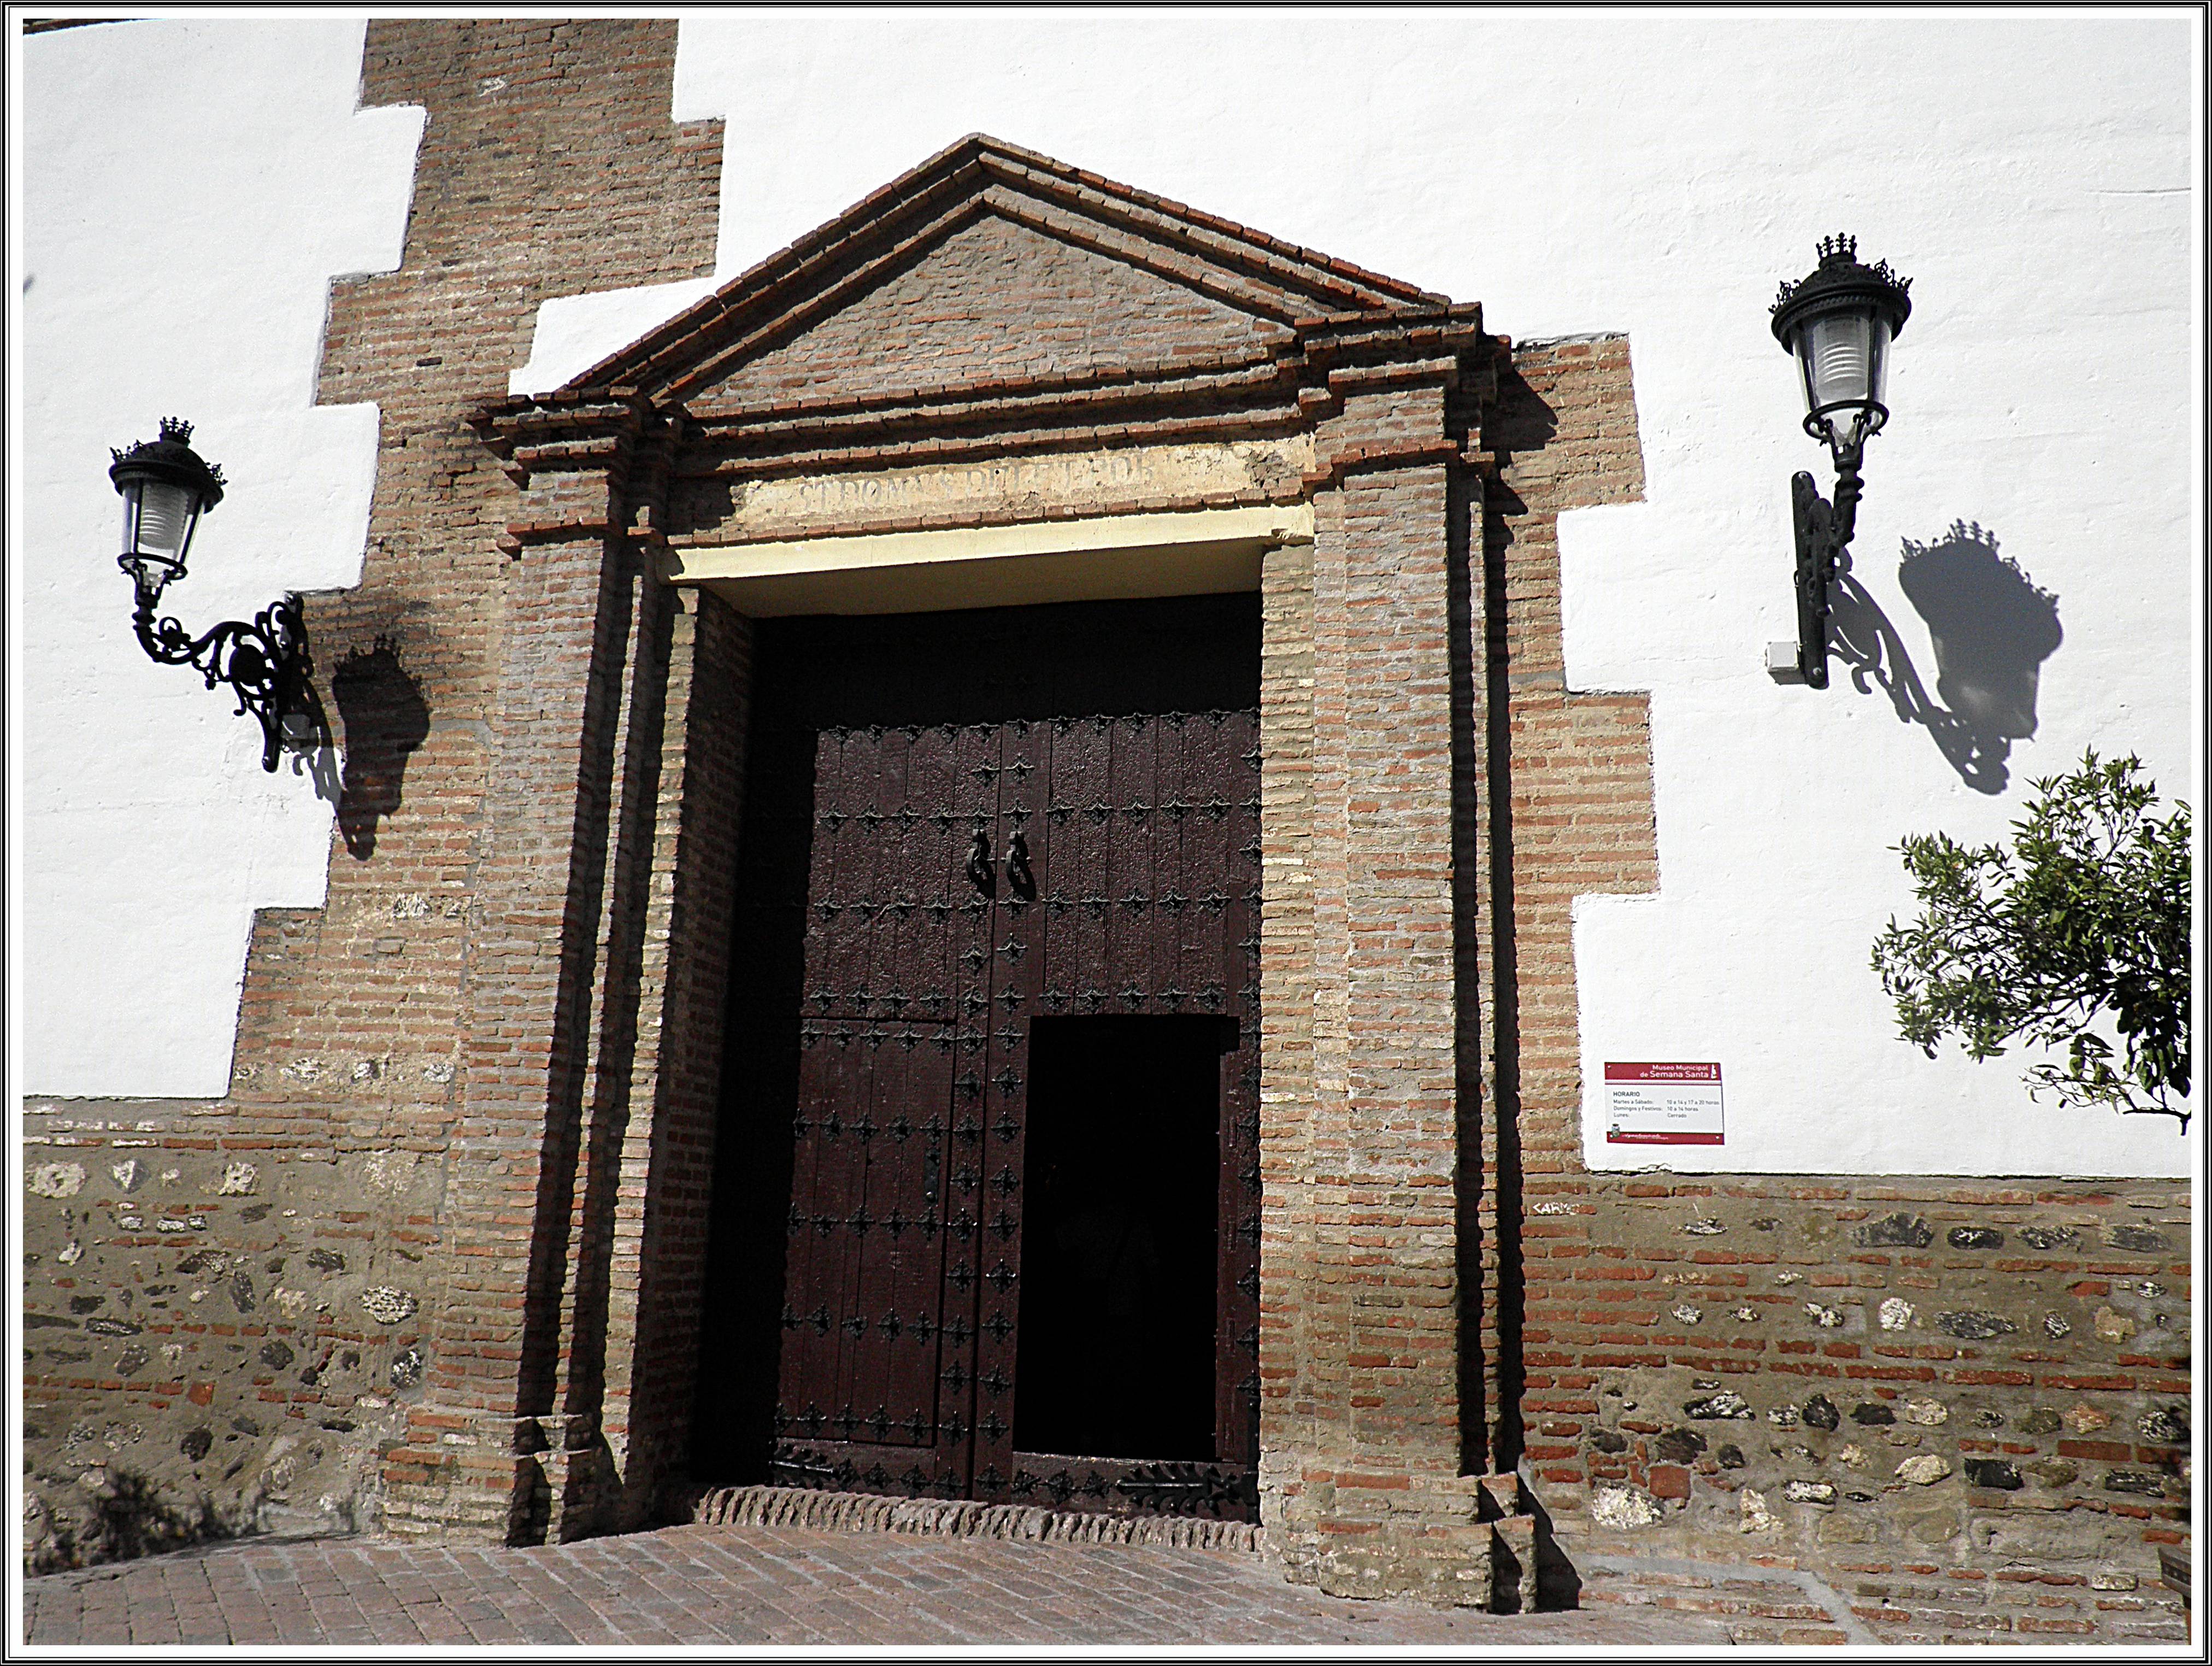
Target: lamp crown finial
(176,428)
(1838,249)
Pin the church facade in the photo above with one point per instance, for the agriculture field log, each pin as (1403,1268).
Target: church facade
(954,873)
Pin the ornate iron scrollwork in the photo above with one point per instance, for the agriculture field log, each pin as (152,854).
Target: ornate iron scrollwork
(804,1468)
(1187,1488)
(1824,531)
(263,663)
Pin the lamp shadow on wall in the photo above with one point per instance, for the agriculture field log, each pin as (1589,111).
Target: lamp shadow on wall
(386,720)
(1992,627)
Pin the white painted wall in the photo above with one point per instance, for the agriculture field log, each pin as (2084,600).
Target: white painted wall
(186,191)
(1656,175)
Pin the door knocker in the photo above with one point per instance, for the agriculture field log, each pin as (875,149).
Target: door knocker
(1019,879)
(979,863)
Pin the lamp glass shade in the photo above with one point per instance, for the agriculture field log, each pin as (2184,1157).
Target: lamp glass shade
(158,518)
(1843,358)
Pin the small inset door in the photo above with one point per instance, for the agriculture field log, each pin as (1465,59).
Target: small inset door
(1117,1357)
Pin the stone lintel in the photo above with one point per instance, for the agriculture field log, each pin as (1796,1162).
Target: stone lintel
(1193,552)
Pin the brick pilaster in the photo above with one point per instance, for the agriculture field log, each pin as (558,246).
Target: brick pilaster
(488,1440)
(661,1206)
(1375,1504)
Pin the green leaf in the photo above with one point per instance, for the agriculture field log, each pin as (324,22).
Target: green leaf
(2086,918)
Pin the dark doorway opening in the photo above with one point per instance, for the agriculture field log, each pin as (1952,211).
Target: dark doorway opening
(961,828)
(1119,1296)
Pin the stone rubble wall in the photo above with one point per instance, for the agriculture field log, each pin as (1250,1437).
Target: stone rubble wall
(192,1366)
(1963,1403)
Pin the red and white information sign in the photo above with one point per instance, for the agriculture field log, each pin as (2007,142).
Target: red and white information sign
(1663,1105)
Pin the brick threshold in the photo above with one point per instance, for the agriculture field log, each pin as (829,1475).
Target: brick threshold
(795,1506)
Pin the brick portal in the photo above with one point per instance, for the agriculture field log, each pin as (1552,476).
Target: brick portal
(436,1264)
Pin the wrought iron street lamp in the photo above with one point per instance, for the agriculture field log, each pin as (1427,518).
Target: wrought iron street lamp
(1838,322)
(166,489)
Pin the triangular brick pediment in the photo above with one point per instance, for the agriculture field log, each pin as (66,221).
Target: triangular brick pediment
(990,266)
(994,300)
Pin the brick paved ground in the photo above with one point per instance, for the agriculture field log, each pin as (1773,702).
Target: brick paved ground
(694,1586)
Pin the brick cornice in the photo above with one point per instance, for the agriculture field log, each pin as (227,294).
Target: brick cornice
(1276,283)
(1292,387)
(1337,465)
(571,430)
(569,456)
(1330,337)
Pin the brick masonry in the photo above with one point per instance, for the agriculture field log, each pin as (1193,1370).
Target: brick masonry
(781,1585)
(995,299)
(434,1264)
(236,1376)
(1961,1403)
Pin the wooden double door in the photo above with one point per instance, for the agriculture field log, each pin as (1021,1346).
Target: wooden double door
(1000,902)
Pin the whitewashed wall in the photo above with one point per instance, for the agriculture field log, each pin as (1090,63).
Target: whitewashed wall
(1656,175)
(187,191)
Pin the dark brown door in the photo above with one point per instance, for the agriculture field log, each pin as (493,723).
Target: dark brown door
(1133,842)
(1037,867)
(877,1342)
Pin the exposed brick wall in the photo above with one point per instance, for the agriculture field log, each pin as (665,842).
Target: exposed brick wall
(655,1270)
(995,299)
(535,968)
(549,167)
(1368,1499)
(2025,1346)
(523,191)
(1287,1004)
(1576,812)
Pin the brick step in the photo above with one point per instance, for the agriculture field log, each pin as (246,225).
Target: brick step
(798,1506)
(1512,1545)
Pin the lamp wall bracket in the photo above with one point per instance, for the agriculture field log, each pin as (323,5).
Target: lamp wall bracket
(263,663)
(1824,532)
